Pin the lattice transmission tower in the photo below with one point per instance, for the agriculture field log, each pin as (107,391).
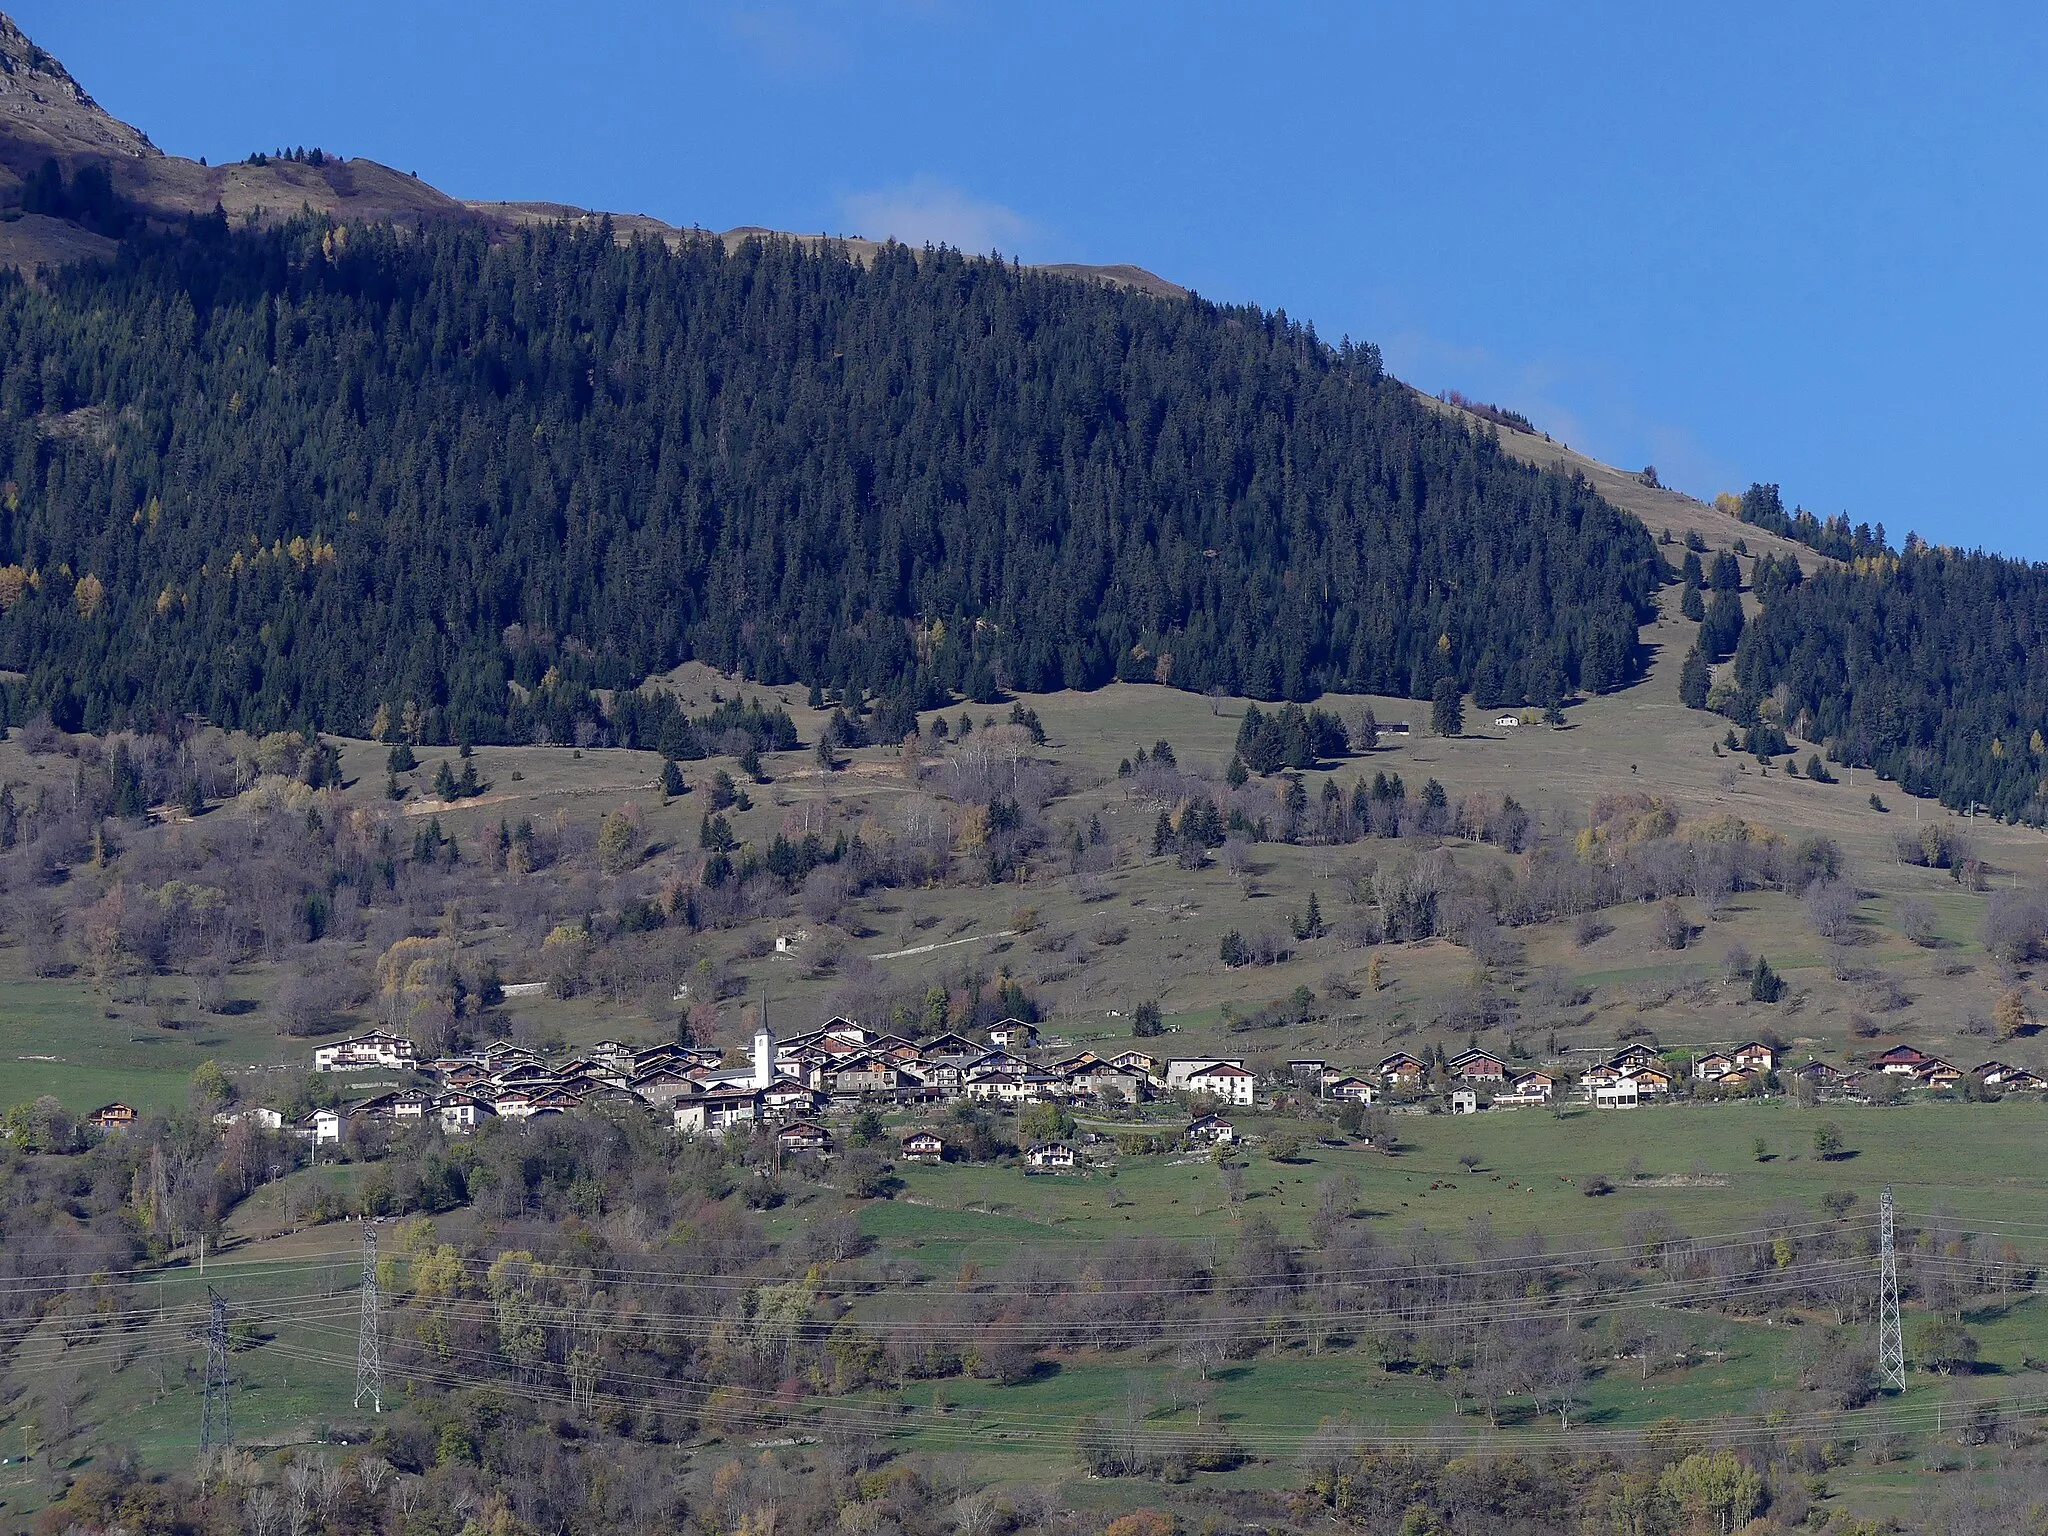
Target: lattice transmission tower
(369,1357)
(1891,1339)
(216,1419)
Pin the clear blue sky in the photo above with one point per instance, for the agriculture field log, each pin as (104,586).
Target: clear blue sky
(1800,243)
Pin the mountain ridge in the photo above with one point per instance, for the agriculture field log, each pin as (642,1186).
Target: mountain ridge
(46,114)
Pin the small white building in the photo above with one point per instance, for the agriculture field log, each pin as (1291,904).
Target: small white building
(266,1119)
(1623,1093)
(1464,1102)
(1508,722)
(321,1126)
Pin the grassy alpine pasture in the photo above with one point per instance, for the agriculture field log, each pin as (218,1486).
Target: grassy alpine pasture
(1090,951)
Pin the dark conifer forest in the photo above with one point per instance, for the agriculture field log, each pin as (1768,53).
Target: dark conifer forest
(1930,666)
(432,485)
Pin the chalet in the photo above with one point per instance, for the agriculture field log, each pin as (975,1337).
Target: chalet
(868,1074)
(1901,1061)
(1820,1074)
(399,1108)
(1712,1066)
(841,1028)
(945,1077)
(1355,1090)
(950,1044)
(612,1054)
(1755,1056)
(1002,1061)
(786,1098)
(1100,1080)
(711,1112)
(523,1074)
(553,1101)
(322,1125)
(802,1136)
(1225,1080)
(1741,1080)
(112,1117)
(1622,1093)
(512,1103)
(1464,1102)
(378,1048)
(894,1048)
(1213,1129)
(1137,1061)
(662,1086)
(924,1147)
(1629,1058)
(1650,1080)
(2020,1080)
(1013,1035)
(1050,1154)
(1480,1067)
(461,1112)
(1014,1087)
(1401,1070)
(1536,1085)
(1936,1073)
(1599,1077)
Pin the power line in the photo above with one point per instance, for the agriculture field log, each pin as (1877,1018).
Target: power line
(369,1356)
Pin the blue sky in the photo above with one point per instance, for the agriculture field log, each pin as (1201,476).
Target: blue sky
(1800,243)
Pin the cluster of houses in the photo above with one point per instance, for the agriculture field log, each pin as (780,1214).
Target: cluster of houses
(1920,1070)
(842,1066)
(791,1084)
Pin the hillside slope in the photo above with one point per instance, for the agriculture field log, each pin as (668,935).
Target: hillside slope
(365,470)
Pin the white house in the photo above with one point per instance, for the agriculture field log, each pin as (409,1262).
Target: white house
(1507,722)
(1464,1102)
(1341,1085)
(1620,1094)
(1050,1154)
(1225,1077)
(1224,1080)
(268,1119)
(1212,1128)
(1013,1035)
(378,1048)
(322,1125)
(716,1111)
(461,1112)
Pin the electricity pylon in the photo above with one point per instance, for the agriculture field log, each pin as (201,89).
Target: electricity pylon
(1891,1339)
(216,1421)
(369,1358)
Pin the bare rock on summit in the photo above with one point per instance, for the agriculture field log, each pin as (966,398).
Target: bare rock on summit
(46,115)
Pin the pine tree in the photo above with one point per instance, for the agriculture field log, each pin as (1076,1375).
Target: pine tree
(1694,679)
(1447,708)
(444,782)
